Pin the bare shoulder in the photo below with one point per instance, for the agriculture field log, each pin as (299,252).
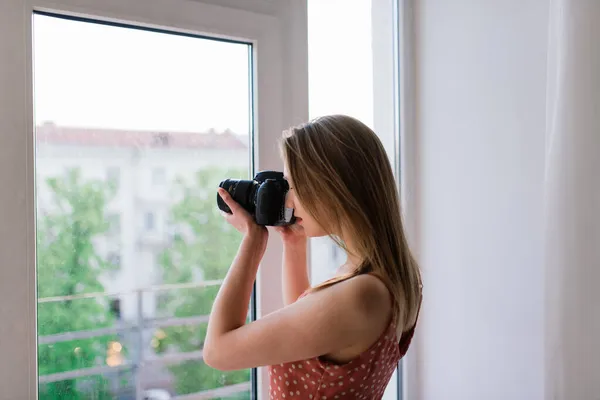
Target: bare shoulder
(369,290)
(364,294)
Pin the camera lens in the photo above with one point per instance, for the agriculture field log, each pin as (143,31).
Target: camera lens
(242,191)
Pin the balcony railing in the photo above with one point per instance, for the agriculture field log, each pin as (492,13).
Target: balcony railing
(140,358)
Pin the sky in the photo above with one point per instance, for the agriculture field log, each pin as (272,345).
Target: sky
(92,75)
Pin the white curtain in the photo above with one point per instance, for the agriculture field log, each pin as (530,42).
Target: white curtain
(572,213)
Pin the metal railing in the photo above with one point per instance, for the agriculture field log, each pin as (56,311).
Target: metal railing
(140,359)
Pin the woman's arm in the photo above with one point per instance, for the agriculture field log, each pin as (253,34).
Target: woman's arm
(348,313)
(294,277)
(230,308)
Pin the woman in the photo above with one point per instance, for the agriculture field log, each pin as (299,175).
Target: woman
(344,337)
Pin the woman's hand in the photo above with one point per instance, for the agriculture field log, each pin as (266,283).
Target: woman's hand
(292,234)
(240,219)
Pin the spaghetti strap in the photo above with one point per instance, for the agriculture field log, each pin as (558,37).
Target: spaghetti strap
(418,313)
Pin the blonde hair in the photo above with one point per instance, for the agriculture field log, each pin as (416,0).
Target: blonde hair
(343,178)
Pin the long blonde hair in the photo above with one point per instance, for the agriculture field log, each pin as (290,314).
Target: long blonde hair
(343,178)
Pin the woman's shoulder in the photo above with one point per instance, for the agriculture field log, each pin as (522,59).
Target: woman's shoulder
(370,288)
(367,292)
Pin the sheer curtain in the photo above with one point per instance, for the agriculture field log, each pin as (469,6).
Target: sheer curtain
(572,209)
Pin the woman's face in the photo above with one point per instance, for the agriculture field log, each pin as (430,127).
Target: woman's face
(304,219)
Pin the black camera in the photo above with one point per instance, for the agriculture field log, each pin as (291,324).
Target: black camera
(263,197)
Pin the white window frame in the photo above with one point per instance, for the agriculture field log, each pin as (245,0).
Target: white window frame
(277,30)
(406,150)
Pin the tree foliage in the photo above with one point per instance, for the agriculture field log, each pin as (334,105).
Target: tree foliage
(68,264)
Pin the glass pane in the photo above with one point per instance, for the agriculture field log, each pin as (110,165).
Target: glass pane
(134,131)
(340,57)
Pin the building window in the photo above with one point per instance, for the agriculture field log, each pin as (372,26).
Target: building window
(114,259)
(115,308)
(149,221)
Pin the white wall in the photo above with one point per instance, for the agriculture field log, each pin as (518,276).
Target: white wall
(480,68)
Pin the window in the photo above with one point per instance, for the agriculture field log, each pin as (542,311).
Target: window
(275,33)
(149,221)
(115,308)
(76,90)
(114,259)
(339,59)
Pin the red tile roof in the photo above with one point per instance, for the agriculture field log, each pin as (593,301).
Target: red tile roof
(62,135)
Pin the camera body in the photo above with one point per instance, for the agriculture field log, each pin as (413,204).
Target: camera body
(263,197)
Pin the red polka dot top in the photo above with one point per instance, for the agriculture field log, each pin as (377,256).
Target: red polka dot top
(365,377)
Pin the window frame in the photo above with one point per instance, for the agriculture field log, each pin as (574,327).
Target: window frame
(406,150)
(277,32)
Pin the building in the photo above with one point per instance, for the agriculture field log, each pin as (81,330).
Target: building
(144,165)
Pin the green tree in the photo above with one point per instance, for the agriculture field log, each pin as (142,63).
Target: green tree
(203,246)
(68,264)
